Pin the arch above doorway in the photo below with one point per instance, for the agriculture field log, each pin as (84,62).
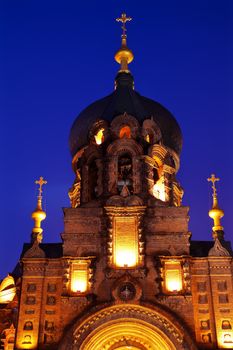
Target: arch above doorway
(127,326)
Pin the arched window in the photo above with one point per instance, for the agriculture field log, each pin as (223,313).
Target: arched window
(93,180)
(28,326)
(125,132)
(159,189)
(149,137)
(125,172)
(99,136)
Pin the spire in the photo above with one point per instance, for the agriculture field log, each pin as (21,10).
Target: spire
(216,213)
(124,55)
(38,215)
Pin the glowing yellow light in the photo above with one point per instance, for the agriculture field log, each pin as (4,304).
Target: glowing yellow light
(7,290)
(226,340)
(27,341)
(125,242)
(126,257)
(99,137)
(79,278)
(159,190)
(173,277)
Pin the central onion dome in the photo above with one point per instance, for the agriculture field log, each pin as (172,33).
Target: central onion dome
(125,100)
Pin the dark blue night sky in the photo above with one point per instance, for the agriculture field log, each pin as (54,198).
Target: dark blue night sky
(56,57)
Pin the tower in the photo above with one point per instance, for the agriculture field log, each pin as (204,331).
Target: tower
(126,274)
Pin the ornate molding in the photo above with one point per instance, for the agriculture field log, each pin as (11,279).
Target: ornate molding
(131,311)
(186,275)
(136,212)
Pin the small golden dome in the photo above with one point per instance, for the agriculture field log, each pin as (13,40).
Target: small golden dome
(215,213)
(38,215)
(124,54)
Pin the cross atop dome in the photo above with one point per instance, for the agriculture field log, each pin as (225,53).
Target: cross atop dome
(38,215)
(123,19)
(40,182)
(215,213)
(124,55)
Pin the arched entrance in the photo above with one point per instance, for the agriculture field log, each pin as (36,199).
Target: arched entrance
(128,334)
(127,327)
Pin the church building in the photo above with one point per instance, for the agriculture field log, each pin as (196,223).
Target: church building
(126,274)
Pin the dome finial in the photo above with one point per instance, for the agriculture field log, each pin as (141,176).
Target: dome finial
(124,55)
(216,213)
(38,215)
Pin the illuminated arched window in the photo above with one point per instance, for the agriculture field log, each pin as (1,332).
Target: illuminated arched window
(125,242)
(159,191)
(149,137)
(173,277)
(99,136)
(125,132)
(80,277)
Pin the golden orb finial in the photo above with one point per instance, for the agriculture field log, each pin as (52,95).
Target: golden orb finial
(124,55)
(215,213)
(38,215)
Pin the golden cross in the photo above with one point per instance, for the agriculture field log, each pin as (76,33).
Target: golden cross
(123,19)
(213,179)
(40,182)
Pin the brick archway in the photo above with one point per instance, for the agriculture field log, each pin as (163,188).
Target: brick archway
(135,326)
(134,334)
